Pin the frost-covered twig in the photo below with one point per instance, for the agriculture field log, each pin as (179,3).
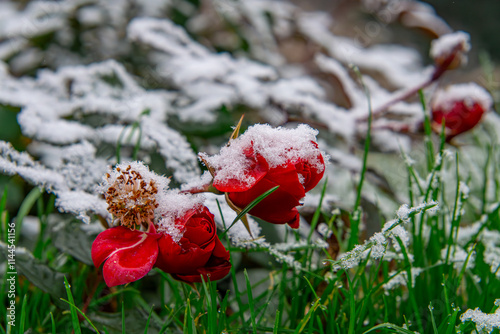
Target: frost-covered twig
(377,244)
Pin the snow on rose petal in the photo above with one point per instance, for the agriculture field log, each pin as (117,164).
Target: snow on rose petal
(199,251)
(264,157)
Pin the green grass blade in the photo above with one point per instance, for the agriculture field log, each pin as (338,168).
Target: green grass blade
(23,314)
(189,327)
(354,238)
(251,206)
(434,327)
(411,290)
(25,208)
(251,303)
(394,328)
(352,307)
(149,318)
(452,322)
(315,218)
(52,321)
(305,321)
(428,133)
(276,322)
(71,302)
(73,306)
(123,318)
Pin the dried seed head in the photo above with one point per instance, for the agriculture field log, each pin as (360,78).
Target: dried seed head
(131,192)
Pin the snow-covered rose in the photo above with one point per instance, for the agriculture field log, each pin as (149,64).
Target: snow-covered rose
(265,157)
(158,228)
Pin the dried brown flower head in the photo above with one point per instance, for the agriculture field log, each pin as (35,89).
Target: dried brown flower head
(131,195)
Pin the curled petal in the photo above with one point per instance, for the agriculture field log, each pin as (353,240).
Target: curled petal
(128,255)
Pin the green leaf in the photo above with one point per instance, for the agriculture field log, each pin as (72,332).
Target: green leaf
(38,272)
(73,238)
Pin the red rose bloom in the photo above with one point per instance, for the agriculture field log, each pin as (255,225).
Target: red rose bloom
(129,255)
(199,251)
(263,158)
(181,237)
(461,107)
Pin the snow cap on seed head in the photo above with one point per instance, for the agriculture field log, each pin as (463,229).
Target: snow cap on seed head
(137,196)
(132,192)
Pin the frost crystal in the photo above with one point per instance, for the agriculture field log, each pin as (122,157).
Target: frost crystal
(401,278)
(324,230)
(458,256)
(172,207)
(376,246)
(484,321)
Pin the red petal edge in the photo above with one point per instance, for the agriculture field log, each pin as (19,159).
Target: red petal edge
(128,254)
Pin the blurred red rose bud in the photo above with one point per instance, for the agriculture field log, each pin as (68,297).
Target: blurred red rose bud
(450,51)
(461,107)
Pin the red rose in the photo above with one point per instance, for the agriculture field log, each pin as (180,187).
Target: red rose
(461,107)
(199,251)
(181,237)
(263,158)
(129,255)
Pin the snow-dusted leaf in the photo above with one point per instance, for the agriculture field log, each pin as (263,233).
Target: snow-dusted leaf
(38,273)
(74,238)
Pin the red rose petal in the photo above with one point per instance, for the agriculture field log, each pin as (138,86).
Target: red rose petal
(215,269)
(213,273)
(278,207)
(183,258)
(200,228)
(128,254)
(257,171)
